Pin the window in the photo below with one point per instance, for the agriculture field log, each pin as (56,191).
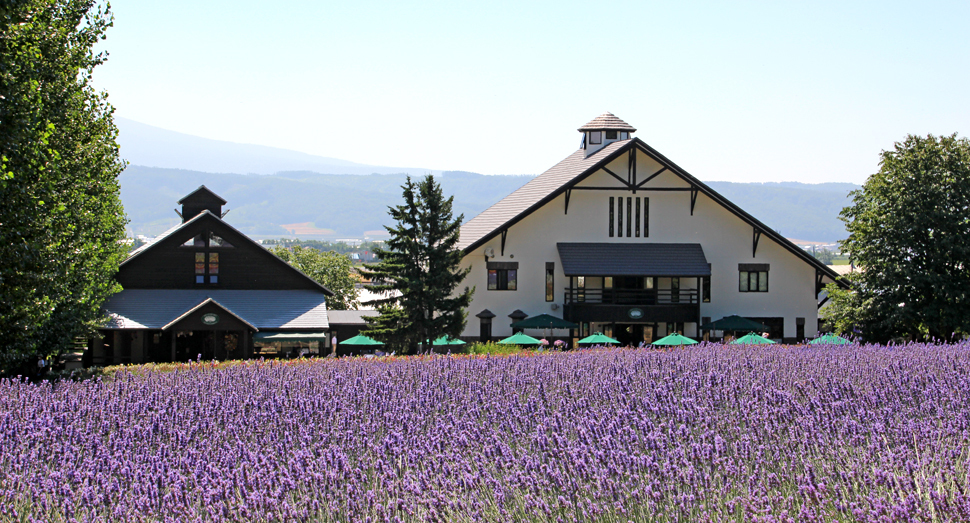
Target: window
(753,277)
(502,276)
(580,288)
(799,329)
(637,216)
(619,218)
(633,210)
(611,135)
(595,137)
(612,217)
(202,268)
(213,267)
(646,217)
(624,135)
(675,290)
(677,327)
(629,215)
(706,289)
(550,281)
(217,241)
(753,281)
(196,241)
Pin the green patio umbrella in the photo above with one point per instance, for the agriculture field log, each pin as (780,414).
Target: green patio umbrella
(734,323)
(598,338)
(445,340)
(520,339)
(674,339)
(360,339)
(544,321)
(830,339)
(751,339)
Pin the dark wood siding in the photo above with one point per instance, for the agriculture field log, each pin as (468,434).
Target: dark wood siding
(244,266)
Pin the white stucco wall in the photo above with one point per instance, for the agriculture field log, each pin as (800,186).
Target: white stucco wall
(725,238)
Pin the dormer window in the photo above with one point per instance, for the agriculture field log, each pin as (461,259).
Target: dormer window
(595,137)
(611,135)
(624,135)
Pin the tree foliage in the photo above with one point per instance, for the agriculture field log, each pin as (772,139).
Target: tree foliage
(420,271)
(909,232)
(330,269)
(61,219)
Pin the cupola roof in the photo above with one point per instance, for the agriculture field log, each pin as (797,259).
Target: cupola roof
(607,122)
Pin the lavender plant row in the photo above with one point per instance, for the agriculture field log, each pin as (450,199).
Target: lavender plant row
(706,434)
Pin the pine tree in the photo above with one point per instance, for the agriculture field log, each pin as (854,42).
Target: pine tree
(421,262)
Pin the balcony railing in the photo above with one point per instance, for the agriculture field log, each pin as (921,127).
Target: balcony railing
(631,296)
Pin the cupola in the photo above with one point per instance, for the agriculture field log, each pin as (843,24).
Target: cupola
(201,199)
(604,130)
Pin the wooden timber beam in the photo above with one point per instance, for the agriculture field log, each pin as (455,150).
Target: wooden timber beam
(693,199)
(754,242)
(505,233)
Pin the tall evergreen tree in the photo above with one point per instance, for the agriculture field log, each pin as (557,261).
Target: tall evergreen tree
(61,219)
(422,263)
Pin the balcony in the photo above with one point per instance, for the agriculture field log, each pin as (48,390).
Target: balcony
(632,305)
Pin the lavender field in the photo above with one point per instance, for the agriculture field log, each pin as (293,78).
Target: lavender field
(709,433)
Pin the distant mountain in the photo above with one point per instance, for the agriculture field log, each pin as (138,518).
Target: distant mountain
(270,206)
(329,206)
(143,144)
(803,211)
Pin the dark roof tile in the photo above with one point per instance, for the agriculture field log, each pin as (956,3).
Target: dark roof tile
(633,259)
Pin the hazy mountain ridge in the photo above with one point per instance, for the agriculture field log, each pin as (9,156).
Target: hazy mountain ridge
(290,187)
(146,145)
(350,206)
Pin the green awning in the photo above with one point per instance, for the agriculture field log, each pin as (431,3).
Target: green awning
(544,321)
(734,323)
(290,336)
(520,339)
(751,339)
(445,340)
(674,339)
(830,339)
(598,339)
(360,339)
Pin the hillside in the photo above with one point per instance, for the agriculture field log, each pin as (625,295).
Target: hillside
(339,206)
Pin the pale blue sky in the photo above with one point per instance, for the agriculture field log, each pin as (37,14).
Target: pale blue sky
(753,91)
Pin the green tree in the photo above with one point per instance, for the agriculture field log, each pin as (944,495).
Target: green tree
(330,269)
(420,271)
(909,232)
(61,219)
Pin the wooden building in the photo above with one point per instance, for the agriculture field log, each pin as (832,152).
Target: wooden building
(618,238)
(205,289)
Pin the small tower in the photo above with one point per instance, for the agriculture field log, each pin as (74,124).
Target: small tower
(604,130)
(201,199)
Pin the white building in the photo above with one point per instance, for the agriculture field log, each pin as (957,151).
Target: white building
(619,239)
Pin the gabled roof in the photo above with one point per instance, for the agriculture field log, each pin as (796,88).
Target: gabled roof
(203,303)
(533,195)
(202,193)
(574,169)
(208,215)
(633,259)
(607,122)
(273,310)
